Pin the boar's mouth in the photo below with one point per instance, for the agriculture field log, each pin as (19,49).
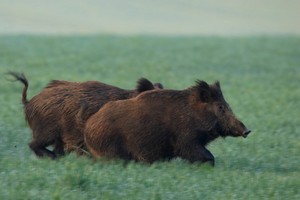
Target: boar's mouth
(225,132)
(221,131)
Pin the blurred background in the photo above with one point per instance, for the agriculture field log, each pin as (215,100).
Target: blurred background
(251,47)
(162,17)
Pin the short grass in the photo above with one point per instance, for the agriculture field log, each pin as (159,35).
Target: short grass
(260,78)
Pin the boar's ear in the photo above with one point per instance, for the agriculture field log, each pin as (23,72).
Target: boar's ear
(143,85)
(217,84)
(158,86)
(203,91)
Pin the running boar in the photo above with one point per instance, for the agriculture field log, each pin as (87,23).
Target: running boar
(52,114)
(163,124)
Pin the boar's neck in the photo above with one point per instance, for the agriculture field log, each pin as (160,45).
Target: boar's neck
(206,137)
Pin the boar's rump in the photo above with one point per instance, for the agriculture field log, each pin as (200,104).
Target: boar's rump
(52,114)
(163,124)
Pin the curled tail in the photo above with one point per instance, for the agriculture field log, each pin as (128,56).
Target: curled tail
(21,77)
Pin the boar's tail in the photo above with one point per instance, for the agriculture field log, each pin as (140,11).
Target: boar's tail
(143,85)
(21,77)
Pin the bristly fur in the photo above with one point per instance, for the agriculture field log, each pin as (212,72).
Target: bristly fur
(55,83)
(202,85)
(204,90)
(144,85)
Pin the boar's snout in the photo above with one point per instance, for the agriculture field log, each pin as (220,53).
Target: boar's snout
(246,133)
(243,130)
(237,128)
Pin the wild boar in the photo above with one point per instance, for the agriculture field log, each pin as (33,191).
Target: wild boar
(163,124)
(52,114)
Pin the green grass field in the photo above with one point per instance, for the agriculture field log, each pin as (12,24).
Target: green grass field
(259,77)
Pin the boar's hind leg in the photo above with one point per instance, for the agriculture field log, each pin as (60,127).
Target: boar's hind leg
(40,149)
(59,148)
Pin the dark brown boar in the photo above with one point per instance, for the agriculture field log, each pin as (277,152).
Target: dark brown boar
(52,114)
(163,124)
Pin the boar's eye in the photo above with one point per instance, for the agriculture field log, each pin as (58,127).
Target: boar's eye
(222,108)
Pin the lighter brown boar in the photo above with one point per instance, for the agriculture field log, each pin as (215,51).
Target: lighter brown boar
(53,113)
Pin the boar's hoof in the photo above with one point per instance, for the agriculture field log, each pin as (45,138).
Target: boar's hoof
(211,162)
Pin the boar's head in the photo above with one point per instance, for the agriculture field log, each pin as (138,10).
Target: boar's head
(219,111)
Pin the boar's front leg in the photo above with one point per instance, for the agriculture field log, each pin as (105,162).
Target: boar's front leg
(206,156)
(192,151)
